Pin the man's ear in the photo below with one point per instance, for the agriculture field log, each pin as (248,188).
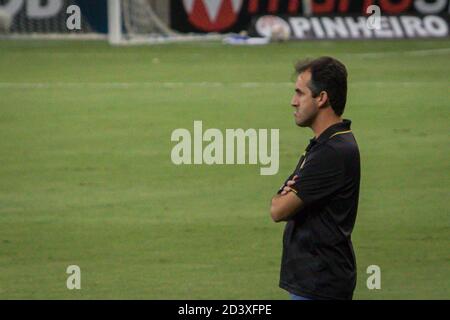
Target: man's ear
(322,99)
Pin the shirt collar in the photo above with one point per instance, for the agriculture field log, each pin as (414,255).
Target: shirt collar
(331,130)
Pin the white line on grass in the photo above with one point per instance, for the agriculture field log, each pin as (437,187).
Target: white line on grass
(128,85)
(204,84)
(420,53)
(370,54)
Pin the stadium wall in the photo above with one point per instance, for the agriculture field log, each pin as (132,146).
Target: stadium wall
(331,19)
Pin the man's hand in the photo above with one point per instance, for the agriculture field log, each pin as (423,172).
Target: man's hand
(288,188)
(285,204)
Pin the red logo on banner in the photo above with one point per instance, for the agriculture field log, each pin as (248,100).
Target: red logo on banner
(212,15)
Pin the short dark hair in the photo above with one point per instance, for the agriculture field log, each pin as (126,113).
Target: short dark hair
(327,74)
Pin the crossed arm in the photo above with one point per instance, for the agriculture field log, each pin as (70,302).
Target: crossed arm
(285,204)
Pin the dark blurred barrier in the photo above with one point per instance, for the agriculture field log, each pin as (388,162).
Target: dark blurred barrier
(331,19)
(32,16)
(321,19)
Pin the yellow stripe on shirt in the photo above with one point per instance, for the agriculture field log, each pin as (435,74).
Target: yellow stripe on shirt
(340,132)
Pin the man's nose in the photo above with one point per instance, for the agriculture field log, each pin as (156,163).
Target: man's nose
(294,102)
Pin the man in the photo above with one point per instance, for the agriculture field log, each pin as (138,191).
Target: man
(319,200)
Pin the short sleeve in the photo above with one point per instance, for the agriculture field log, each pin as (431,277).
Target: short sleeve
(321,175)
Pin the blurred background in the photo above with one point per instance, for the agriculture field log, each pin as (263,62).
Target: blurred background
(90,92)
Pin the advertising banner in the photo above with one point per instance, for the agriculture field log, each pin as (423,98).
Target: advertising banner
(352,27)
(329,19)
(32,16)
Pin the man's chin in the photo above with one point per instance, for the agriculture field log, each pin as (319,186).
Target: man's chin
(301,123)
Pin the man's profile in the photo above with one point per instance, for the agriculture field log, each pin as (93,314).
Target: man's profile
(319,200)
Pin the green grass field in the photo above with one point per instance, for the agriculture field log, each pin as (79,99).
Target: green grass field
(86,176)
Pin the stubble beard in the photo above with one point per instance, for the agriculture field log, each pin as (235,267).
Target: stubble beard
(307,122)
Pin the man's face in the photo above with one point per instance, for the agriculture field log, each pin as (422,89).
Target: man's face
(306,107)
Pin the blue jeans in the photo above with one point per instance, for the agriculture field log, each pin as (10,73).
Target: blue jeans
(296,297)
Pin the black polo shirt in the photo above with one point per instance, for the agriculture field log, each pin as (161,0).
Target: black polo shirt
(318,259)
